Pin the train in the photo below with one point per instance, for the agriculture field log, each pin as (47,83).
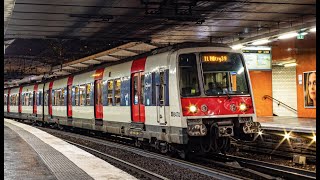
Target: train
(181,98)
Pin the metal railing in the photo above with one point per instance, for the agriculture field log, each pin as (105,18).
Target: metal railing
(279,103)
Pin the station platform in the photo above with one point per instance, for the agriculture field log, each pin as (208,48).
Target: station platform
(281,123)
(30,153)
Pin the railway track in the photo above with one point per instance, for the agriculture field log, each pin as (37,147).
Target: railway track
(274,169)
(213,173)
(257,169)
(141,171)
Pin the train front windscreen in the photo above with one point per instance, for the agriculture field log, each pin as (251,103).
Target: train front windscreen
(212,74)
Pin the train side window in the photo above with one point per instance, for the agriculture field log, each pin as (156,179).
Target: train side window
(110,92)
(135,90)
(30,98)
(88,90)
(55,98)
(61,97)
(26,99)
(46,97)
(76,97)
(82,94)
(40,98)
(5,99)
(153,76)
(117,87)
(142,90)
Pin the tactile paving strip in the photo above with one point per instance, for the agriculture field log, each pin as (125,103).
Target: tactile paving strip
(60,166)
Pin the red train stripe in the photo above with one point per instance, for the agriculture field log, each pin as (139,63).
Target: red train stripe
(35,89)
(99,74)
(138,65)
(70,80)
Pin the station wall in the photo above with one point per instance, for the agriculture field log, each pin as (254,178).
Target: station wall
(301,50)
(262,85)
(304,52)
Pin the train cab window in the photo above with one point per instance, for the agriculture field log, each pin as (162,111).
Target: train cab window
(117,86)
(76,95)
(110,91)
(82,94)
(189,83)
(88,90)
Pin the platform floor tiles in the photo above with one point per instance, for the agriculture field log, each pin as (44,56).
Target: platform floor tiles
(30,153)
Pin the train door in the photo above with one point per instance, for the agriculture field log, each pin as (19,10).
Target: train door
(50,97)
(98,107)
(160,98)
(35,97)
(137,97)
(69,101)
(69,97)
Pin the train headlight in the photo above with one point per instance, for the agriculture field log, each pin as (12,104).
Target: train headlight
(193,108)
(243,107)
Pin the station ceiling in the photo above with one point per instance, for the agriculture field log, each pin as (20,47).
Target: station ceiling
(41,34)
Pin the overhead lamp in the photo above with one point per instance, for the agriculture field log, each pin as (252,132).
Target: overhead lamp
(288,35)
(303,33)
(237,47)
(290,64)
(313,29)
(260,42)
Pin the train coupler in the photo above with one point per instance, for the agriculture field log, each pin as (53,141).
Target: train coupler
(251,127)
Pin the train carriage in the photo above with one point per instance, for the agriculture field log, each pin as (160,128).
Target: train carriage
(194,97)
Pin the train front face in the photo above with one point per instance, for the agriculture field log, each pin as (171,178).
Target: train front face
(216,99)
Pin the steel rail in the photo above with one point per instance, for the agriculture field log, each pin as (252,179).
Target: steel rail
(120,162)
(274,169)
(188,165)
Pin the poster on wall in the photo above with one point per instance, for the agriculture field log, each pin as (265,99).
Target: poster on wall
(309,88)
(257,58)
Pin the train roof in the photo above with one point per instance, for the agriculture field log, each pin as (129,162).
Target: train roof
(159,50)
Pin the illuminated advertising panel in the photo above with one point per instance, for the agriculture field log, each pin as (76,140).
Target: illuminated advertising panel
(257,58)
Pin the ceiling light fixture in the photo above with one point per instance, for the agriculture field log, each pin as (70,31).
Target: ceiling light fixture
(260,42)
(290,64)
(288,35)
(237,47)
(313,29)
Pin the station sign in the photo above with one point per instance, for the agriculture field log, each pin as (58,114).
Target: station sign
(257,58)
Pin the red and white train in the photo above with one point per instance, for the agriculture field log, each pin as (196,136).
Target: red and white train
(180,98)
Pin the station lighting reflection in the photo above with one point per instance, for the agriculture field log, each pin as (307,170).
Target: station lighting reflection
(288,35)
(313,29)
(286,136)
(312,138)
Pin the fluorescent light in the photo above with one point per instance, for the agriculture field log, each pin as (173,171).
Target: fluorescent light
(290,64)
(304,33)
(288,35)
(313,29)
(237,47)
(259,42)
